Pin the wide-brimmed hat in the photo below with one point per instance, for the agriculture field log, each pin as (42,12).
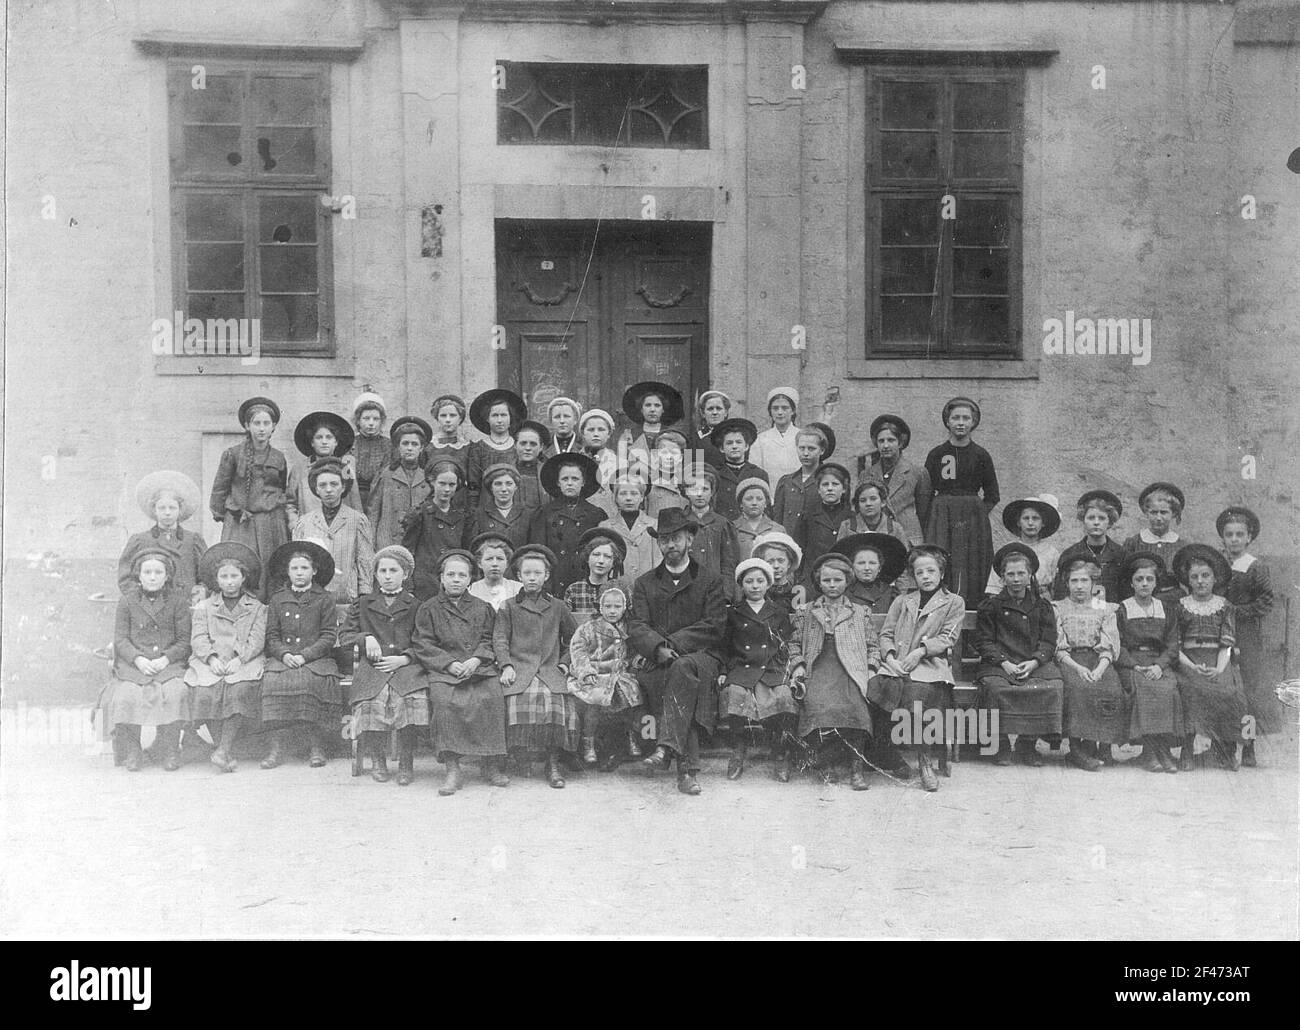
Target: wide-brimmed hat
(1045,504)
(750,564)
(673,520)
(1238,513)
(277,566)
(605,533)
(777,538)
(754,483)
(633,396)
(734,425)
(1129,565)
(492,536)
(1016,548)
(337,424)
(892,551)
(410,424)
(1202,553)
(535,551)
(549,475)
(186,491)
(224,551)
(399,554)
(904,430)
(495,472)
(366,400)
(321,467)
(1168,488)
(482,404)
(258,402)
(835,469)
(828,435)
(1105,496)
(543,433)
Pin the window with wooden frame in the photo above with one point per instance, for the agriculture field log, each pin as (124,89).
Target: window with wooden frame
(943,212)
(249,149)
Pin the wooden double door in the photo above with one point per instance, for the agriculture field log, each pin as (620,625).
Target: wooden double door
(590,309)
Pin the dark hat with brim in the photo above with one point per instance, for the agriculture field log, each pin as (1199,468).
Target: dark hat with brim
(835,469)
(892,551)
(258,402)
(1101,495)
(633,396)
(1168,488)
(1129,565)
(1013,550)
(543,433)
(673,520)
(336,424)
(230,550)
(550,473)
(1051,517)
(734,425)
(482,404)
(826,432)
(324,466)
(904,430)
(277,566)
(605,533)
(535,551)
(1238,513)
(1202,553)
(493,536)
(410,424)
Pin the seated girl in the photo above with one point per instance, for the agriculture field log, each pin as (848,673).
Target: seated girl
(601,677)
(1148,638)
(492,552)
(1087,645)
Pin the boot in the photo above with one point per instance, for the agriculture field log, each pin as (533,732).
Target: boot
(658,760)
(170,745)
(945,769)
(1151,755)
(494,772)
(1187,756)
(633,745)
(1226,753)
(454,778)
(781,767)
(119,747)
(858,775)
(1003,757)
(1165,760)
(133,757)
(221,757)
(275,757)
(589,752)
(406,767)
(1248,755)
(372,743)
(929,781)
(736,764)
(316,755)
(1080,758)
(687,783)
(553,775)
(1102,752)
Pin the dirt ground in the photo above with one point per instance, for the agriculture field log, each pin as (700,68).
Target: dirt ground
(93,851)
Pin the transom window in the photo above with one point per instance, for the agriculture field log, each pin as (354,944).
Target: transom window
(250,164)
(943,212)
(637,105)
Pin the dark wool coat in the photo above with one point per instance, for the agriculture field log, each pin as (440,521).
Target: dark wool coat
(533,634)
(304,624)
(369,616)
(151,629)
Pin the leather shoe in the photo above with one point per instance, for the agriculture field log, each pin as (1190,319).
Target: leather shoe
(929,781)
(222,761)
(735,766)
(687,784)
(1003,757)
(495,774)
(633,745)
(1080,759)
(453,781)
(316,758)
(405,777)
(275,757)
(553,775)
(781,770)
(380,772)
(658,760)
(1248,755)
(858,777)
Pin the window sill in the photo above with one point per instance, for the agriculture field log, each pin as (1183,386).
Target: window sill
(941,368)
(335,367)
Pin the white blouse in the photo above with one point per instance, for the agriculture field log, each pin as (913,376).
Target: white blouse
(775,453)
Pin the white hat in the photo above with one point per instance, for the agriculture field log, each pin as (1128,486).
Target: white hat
(577,408)
(779,539)
(755,563)
(788,392)
(587,416)
(369,399)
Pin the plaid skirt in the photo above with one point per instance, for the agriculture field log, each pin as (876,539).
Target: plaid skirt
(769,698)
(540,720)
(146,704)
(389,710)
(221,700)
(300,695)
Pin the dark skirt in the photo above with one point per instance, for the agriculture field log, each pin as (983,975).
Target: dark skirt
(469,718)
(146,704)
(896,698)
(221,700)
(959,523)
(540,720)
(300,695)
(769,697)
(1095,711)
(1156,708)
(1031,707)
(833,701)
(1212,705)
(1260,700)
(263,531)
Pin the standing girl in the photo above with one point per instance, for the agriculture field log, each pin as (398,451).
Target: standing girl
(563,414)
(632,525)
(594,430)
(300,688)
(906,485)
(372,450)
(834,653)
(248,494)
(774,450)
(710,409)
(558,526)
(784,556)
(1148,637)
(819,525)
(531,441)
(1087,646)
(168,498)
(877,561)
(796,492)
(402,485)
(965,491)
(1250,593)
(665,474)
(453,641)
(497,414)
(226,644)
(448,443)
(1162,504)
(435,526)
(653,407)
(734,438)
(715,546)
(601,678)
(1098,510)
(345,531)
(501,510)
(868,515)
(151,641)
(1032,520)
(754,498)
(318,436)
(530,638)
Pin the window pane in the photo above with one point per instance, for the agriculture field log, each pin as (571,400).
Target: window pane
(286,151)
(981,105)
(980,322)
(909,105)
(985,222)
(285,101)
(666,108)
(913,220)
(981,155)
(218,102)
(289,318)
(906,321)
(977,270)
(909,155)
(288,219)
(214,216)
(535,106)
(908,269)
(212,148)
(214,305)
(288,269)
(214,266)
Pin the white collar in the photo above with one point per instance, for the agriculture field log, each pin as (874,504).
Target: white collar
(1133,610)
(1244,562)
(1148,537)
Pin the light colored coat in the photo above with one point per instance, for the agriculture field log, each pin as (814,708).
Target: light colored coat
(936,627)
(642,549)
(855,639)
(350,541)
(395,492)
(215,630)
